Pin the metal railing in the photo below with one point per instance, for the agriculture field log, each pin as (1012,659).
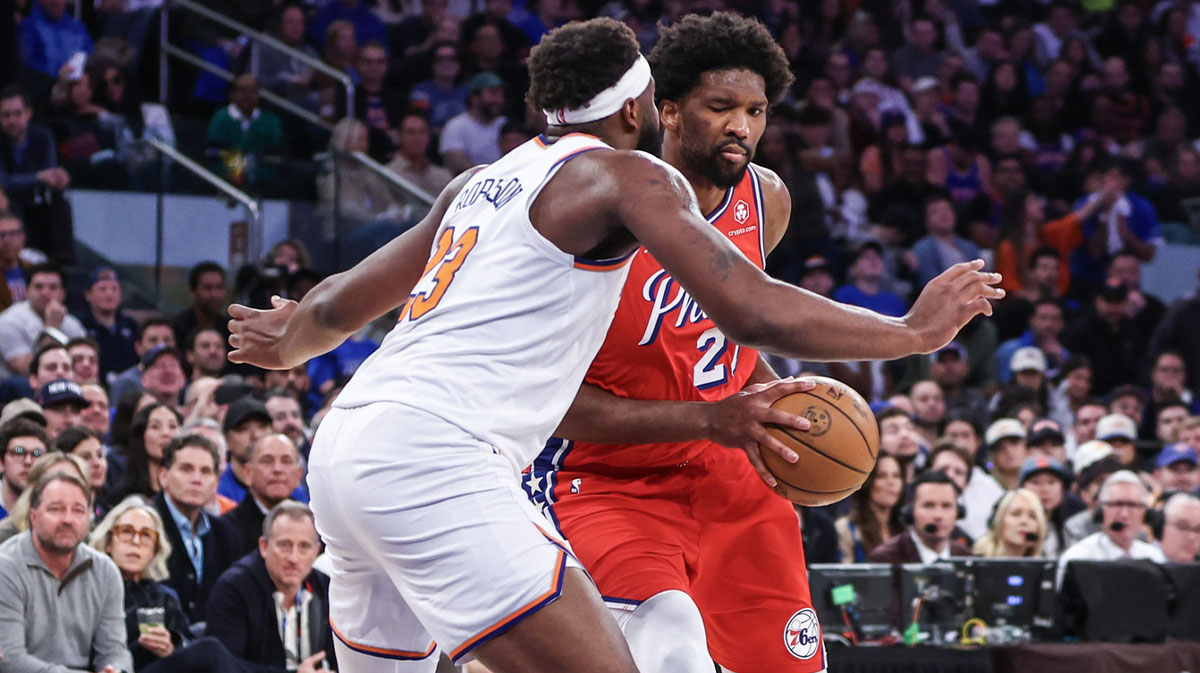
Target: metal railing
(382,171)
(253,211)
(258,38)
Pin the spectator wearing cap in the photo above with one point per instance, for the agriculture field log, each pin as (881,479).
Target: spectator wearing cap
(1124,500)
(865,288)
(202,546)
(1093,462)
(162,374)
(155,331)
(246,420)
(1106,334)
(816,276)
(1044,332)
(22,441)
(1005,440)
(1050,480)
(1176,468)
(12,242)
(948,367)
(1120,432)
(23,407)
(42,311)
(61,400)
(275,470)
(1028,370)
(1045,438)
(940,248)
(115,332)
(473,137)
(1180,536)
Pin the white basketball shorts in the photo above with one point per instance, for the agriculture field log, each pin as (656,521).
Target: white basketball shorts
(433,544)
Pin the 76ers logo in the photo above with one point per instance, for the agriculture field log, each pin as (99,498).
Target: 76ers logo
(741,212)
(802,635)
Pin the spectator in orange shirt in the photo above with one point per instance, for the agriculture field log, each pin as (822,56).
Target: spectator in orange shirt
(1023,228)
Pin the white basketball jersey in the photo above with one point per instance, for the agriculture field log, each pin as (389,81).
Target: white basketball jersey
(499,331)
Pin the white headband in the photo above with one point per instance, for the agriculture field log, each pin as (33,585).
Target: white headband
(631,85)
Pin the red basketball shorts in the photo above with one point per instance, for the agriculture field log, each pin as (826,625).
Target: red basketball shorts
(712,529)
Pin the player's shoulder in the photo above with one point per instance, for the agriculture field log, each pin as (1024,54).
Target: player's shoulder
(772,185)
(623,172)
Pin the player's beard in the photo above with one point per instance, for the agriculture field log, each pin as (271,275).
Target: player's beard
(650,138)
(714,167)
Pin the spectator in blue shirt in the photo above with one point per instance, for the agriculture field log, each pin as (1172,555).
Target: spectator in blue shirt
(442,96)
(1045,326)
(48,38)
(367,26)
(1129,224)
(940,249)
(864,289)
(115,332)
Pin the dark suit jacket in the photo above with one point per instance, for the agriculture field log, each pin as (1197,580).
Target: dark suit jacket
(18,178)
(220,552)
(901,549)
(241,614)
(247,518)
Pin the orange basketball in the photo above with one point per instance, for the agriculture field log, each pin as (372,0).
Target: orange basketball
(838,451)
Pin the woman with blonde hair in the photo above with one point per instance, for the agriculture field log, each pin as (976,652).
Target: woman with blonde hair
(157,629)
(18,517)
(1017,528)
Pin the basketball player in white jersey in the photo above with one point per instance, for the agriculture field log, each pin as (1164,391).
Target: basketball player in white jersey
(414,474)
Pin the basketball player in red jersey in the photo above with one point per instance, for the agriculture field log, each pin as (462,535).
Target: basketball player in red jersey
(416,480)
(685,542)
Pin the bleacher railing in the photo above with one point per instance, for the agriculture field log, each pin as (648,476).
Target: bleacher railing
(251,206)
(259,39)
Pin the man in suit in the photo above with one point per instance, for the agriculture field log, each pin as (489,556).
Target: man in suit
(271,609)
(30,175)
(202,547)
(275,471)
(930,514)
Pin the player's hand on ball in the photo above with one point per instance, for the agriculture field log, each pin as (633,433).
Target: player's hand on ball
(738,421)
(254,334)
(949,301)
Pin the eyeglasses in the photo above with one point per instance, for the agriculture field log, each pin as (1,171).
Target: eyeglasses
(12,234)
(1124,504)
(21,452)
(127,533)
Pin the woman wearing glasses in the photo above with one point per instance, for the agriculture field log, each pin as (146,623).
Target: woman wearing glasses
(158,632)
(46,461)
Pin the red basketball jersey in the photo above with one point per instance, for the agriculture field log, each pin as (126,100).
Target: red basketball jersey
(662,346)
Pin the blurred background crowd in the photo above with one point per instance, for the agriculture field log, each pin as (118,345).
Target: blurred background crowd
(1056,140)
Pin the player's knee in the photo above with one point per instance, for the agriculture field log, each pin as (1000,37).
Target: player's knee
(666,633)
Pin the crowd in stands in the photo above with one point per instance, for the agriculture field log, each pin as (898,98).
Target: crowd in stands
(1053,139)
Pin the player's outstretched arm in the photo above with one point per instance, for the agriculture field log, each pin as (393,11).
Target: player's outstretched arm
(755,310)
(291,333)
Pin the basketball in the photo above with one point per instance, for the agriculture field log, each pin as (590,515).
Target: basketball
(838,451)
